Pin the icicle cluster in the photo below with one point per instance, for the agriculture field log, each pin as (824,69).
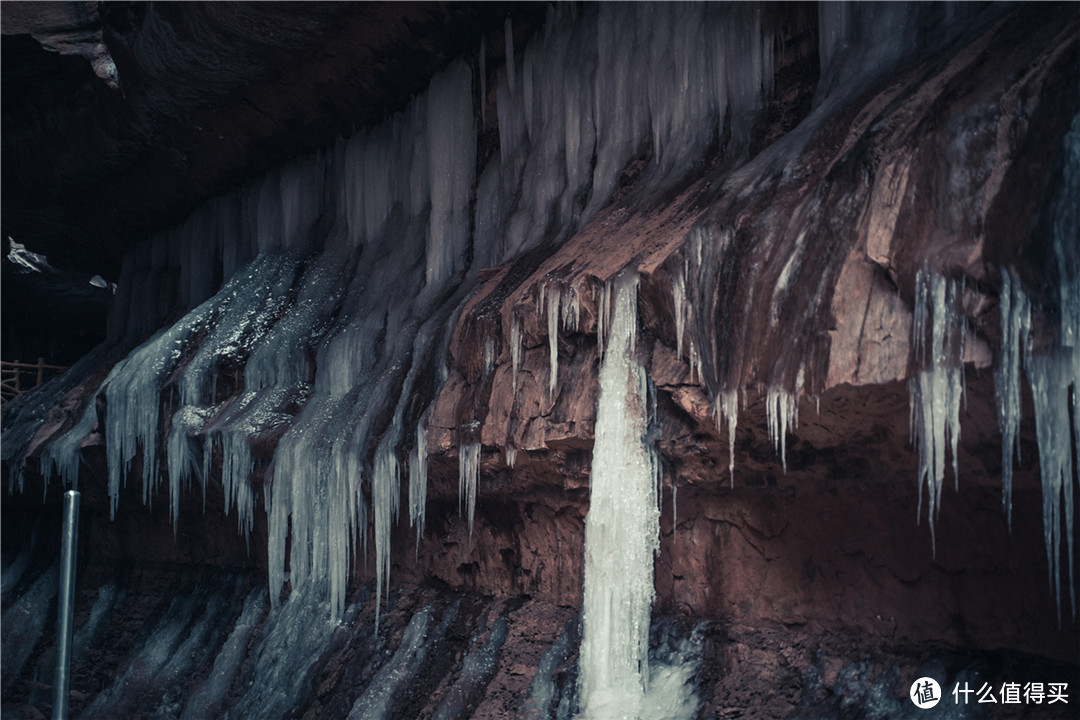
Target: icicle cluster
(343,270)
(1053,374)
(621,529)
(782,412)
(936,392)
(1054,377)
(592,89)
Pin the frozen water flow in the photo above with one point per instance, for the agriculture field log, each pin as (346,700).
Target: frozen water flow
(621,528)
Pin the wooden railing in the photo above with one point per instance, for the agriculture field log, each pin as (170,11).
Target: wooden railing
(18,377)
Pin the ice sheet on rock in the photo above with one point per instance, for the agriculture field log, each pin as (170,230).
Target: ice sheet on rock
(158,661)
(87,635)
(538,704)
(25,619)
(621,527)
(277,675)
(419,639)
(207,698)
(476,670)
(13,573)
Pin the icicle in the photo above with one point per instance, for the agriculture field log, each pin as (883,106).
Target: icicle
(511,73)
(1052,373)
(385,494)
(695,363)
(1015,326)
(515,350)
(483,83)
(726,405)
(553,298)
(674,510)
(1050,376)
(571,309)
(418,459)
(468,475)
(489,355)
(62,456)
(621,529)
(186,422)
(935,394)
(678,295)
(451,167)
(782,411)
(603,307)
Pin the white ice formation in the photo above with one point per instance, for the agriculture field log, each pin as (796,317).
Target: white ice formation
(936,392)
(621,529)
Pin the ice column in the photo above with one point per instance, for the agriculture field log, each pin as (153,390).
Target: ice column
(621,528)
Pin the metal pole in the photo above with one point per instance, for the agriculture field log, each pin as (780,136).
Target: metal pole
(65,609)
